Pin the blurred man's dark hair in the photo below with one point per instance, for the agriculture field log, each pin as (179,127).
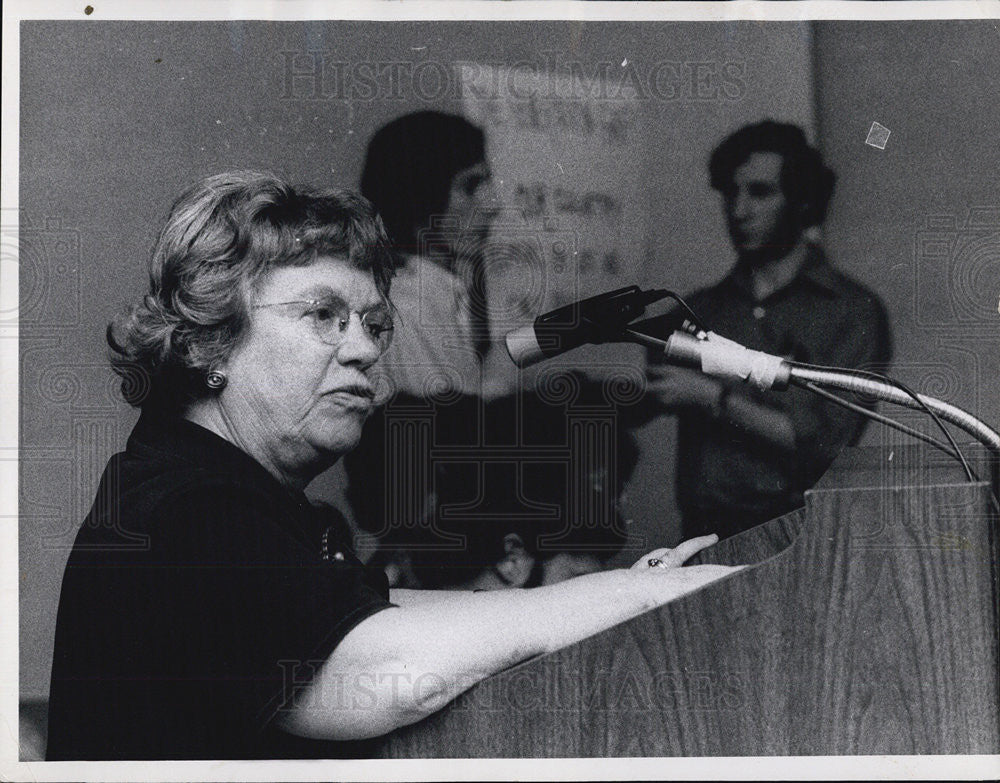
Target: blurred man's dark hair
(805,179)
(409,168)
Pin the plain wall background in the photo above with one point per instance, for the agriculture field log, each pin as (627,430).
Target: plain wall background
(901,217)
(118,117)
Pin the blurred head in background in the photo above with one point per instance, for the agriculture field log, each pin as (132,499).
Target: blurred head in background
(774,185)
(427,175)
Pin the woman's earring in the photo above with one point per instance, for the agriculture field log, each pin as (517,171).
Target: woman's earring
(215,380)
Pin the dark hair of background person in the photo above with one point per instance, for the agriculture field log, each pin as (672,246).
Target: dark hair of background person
(222,236)
(805,179)
(486,496)
(409,166)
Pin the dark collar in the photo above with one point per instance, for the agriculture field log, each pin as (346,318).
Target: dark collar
(815,270)
(175,439)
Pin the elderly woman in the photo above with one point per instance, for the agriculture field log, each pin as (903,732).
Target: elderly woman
(205,612)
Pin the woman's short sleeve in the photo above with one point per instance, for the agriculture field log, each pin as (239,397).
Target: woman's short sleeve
(258,610)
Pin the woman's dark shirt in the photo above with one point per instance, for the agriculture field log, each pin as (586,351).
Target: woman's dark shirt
(195,600)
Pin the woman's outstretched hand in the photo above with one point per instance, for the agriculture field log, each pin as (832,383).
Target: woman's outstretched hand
(663,576)
(676,557)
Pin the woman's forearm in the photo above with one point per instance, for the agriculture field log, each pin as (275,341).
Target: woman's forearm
(406,662)
(410,597)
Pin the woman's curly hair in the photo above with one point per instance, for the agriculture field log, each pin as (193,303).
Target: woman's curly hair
(222,236)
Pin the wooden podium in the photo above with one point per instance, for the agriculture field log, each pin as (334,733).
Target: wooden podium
(867,624)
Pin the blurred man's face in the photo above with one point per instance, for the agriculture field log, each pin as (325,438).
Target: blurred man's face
(472,205)
(762,223)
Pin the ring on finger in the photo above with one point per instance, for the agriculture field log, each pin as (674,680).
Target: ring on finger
(655,562)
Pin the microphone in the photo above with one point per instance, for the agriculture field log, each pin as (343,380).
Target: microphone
(599,319)
(607,317)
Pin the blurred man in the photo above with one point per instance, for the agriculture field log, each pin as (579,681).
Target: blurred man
(745,456)
(426,173)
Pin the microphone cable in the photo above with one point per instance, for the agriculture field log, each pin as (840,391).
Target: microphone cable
(955,451)
(903,388)
(952,448)
(886,420)
(897,425)
(663,293)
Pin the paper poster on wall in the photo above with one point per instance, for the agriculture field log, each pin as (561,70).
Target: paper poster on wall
(566,154)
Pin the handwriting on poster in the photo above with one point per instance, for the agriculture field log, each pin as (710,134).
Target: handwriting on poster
(567,164)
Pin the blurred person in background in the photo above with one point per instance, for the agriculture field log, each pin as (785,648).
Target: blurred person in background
(746,456)
(427,176)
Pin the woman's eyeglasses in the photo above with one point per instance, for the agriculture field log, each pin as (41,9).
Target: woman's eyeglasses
(331,317)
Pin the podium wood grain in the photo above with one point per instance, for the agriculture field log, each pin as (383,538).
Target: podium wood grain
(867,625)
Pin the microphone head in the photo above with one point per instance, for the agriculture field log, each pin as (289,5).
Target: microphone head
(598,319)
(523,348)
